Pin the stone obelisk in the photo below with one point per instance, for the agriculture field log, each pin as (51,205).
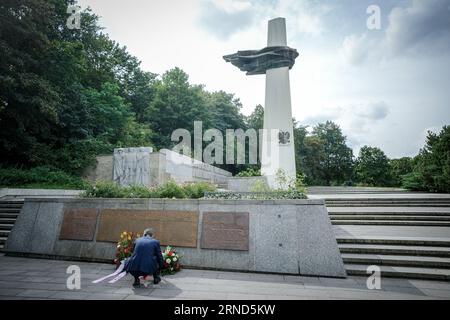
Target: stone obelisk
(277,114)
(275,61)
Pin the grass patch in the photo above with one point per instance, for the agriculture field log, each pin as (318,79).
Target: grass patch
(40,178)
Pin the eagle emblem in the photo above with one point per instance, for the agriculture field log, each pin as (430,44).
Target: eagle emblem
(284,137)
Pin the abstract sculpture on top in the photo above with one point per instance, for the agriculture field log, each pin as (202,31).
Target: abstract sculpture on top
(274,61)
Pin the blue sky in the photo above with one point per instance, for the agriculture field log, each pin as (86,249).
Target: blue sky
(384,87)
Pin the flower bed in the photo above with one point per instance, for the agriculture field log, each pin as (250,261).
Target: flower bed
(273,195)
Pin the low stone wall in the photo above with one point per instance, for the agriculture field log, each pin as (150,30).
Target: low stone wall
(283,236)
(38,193)
(245,184)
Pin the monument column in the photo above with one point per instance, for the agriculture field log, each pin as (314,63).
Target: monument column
(278,137)
(274,61)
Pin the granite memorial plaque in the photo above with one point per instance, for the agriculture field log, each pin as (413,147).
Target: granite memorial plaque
(177,228)
(225,230)
(79,224)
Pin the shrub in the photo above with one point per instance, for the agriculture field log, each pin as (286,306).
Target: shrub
(40,177)
(105,190)
(197,190)
(169,190)
(413,181)
(140,192)
(260,186)
(250,172)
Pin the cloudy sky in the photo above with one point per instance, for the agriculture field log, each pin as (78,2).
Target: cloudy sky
(384,87)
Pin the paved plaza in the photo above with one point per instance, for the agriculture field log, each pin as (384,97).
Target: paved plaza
(26,278)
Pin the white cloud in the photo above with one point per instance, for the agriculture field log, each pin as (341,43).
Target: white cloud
(423,24)
(165,34)
(356,120)
(355,49)
(423,27)
(223,18)
(226,17)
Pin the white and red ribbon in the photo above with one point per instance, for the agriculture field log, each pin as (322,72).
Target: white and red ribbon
(119,274)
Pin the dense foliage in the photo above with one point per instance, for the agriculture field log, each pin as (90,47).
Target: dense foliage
(69,95)
(431,168)
(372,167)
(169,190)
(40,177)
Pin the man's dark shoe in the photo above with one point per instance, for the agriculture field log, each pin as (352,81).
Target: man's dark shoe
(137,284)
(157,280)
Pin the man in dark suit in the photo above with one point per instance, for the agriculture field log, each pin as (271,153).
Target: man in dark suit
(146,259)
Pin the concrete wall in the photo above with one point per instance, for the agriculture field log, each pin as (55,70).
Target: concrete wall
(185,169)
(285,236)
(164,165)
(102,170)
(245,184)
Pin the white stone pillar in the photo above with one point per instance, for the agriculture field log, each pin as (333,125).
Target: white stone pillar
(277,154)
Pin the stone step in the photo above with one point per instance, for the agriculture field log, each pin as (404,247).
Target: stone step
(390,199)
(392,223)
(401,272)
(387,204)
(7,220)
(391,202)
(3,240)
(392,260)
(6,226)
(4,233)
(429,251)
(10,210)
(393,210)
(386,213)
(388,217)
(11,205)
(432,242)
(9,215)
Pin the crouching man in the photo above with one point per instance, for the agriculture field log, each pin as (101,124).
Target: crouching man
(146,259)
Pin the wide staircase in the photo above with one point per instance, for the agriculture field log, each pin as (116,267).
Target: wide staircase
(406,235)
(9,211)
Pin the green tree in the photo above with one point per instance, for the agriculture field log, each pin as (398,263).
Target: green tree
(312,159)
(65,94)
(372,167)
(256,119)
(337,164)
(300,133)
(177,104)
(399,168)
(432,169)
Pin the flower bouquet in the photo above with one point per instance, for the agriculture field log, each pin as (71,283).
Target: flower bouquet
(171,261)
(125,246)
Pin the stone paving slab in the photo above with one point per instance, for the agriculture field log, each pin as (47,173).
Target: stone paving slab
(197,285)
(393,210)
(392,231)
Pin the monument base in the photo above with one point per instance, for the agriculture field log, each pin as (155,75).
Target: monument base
(283,236)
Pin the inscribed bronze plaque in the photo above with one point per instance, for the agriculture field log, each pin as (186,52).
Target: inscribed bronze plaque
(176,228)
(225,230)
(79,224)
